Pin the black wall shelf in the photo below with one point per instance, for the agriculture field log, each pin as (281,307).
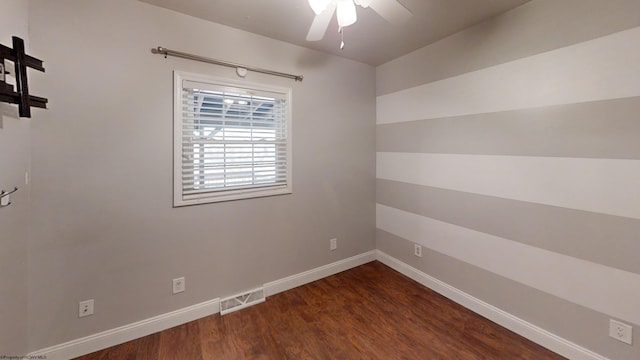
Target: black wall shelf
(21,61)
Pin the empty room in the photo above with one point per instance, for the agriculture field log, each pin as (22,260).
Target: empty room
(320,179)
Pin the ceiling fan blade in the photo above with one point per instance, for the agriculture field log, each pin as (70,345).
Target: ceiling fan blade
(391,10)
(321,23)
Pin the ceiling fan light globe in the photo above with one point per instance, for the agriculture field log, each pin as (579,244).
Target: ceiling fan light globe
(364,3)
(319,6)
(346,13)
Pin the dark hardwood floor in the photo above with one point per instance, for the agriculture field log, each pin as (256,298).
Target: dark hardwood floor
(370,312)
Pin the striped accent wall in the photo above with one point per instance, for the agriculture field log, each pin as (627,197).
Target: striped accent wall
(521,177)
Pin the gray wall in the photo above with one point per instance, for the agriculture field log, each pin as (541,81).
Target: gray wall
(14,162)
(104,227)
(507,150)
(510,152)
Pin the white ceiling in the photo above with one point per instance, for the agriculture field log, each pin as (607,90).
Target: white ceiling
(371,39)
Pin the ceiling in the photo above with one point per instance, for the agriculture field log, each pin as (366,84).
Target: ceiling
(371,39)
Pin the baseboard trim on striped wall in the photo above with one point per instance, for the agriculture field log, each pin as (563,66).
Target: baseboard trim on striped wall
(119,335)
(532,332)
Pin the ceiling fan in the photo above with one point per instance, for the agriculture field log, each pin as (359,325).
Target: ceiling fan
(391,10)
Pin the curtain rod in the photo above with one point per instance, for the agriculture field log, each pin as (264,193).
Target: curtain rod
(167,52)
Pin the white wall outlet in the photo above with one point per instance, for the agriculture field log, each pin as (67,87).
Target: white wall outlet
(85,308)
(178,285)
(417,250)
(621,331)
(333,244)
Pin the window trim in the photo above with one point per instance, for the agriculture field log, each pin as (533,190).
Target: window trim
(179,199)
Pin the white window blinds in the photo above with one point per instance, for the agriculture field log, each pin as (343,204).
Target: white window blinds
(232,140)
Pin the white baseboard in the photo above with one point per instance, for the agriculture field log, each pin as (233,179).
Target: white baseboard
(105,339)
(155,324)
(532,332)
(306,277)
(122,334)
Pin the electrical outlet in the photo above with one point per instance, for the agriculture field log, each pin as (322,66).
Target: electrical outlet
(85,308)
(333,244)
(417,250)
(178,285)
(620,331)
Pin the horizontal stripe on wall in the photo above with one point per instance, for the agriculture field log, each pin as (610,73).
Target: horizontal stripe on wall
(573,322)
(600,288)
(600,129)
(596,185)
(542,25)
(607,69)
(566,231)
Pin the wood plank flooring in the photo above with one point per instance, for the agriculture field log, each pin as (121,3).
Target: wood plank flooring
(370,312)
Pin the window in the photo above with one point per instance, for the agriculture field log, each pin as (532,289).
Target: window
(232,140)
